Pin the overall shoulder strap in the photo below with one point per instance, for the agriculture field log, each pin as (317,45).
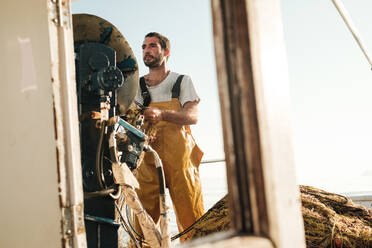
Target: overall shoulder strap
(177,87)
(145,92)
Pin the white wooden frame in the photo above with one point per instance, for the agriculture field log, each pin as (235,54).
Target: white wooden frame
(66,123)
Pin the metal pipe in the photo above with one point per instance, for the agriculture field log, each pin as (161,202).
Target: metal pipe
(101,193)
(348,21)
(213,161)
(101,220)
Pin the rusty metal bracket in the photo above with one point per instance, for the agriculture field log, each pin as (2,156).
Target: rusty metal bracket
(72,221)
(60,13)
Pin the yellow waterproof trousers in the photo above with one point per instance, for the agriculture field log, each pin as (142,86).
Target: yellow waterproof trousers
(181,158)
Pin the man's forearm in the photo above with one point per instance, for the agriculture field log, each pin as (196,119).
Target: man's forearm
(188,115)
(180,117)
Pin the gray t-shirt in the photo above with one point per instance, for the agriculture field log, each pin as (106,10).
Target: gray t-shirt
(163,91)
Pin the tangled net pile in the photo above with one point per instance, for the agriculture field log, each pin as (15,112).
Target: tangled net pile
(333,220)
(330,220)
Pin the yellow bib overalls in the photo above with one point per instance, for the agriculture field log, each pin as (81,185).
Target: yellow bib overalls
(181,158)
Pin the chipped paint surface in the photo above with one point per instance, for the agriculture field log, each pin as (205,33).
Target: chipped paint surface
(66,125)
(105,35)
(85,29)
(127,65)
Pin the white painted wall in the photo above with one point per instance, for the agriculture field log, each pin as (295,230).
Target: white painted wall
(30,214)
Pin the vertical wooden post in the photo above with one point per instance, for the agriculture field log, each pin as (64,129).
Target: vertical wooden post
(254,94)
(66,123)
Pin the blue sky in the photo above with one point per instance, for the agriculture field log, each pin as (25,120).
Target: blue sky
(331,82)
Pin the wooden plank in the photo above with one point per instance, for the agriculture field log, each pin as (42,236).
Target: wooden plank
(271,85)
(226,121)
(232,241)
(254,94)
(30,209)
(239,117)
(222,63)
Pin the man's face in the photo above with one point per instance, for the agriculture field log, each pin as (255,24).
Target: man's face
(152,52)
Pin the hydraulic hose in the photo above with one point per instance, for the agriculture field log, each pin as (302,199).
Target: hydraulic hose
(112,147)
(115,159)
(159,167)
(99,169)
(166,239)
(153,236)
(164,220)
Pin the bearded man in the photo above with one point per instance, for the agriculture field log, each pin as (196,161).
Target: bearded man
(172,106)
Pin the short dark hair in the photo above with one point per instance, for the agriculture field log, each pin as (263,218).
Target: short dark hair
(164,42)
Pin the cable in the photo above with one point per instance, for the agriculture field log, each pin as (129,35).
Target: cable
(117,195)
(100,176)
(213,161)
(130,225)
(173,237)
(125,226)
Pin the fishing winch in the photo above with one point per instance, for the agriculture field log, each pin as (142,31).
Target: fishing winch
(107,82)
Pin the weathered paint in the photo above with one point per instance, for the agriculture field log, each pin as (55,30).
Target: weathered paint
(127,64)
(105,35)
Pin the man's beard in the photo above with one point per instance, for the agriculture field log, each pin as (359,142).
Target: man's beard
(154,63)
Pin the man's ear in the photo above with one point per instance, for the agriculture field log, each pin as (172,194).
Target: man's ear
(166,52)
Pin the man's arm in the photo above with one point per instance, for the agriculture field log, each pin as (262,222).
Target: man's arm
(188,115)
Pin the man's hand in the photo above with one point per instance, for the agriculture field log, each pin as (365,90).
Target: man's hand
(153,115)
